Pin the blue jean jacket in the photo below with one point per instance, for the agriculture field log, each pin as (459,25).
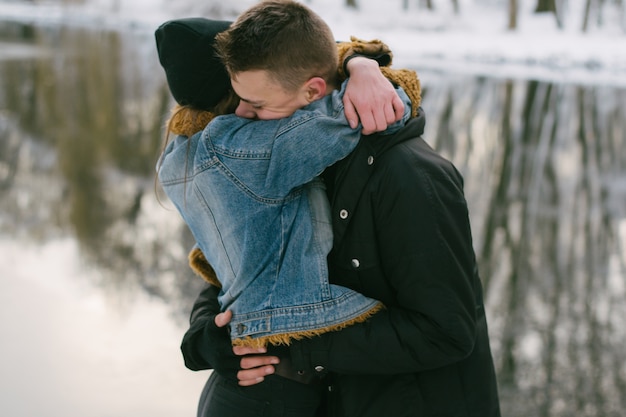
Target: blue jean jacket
(250,193)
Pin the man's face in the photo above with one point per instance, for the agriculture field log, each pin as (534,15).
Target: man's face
(262,98)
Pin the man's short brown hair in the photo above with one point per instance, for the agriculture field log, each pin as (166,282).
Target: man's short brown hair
(285,38)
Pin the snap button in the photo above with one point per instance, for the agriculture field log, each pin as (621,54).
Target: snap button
(343,214)
(241,328)
(355,263)
(300,372)
(370,160)
(319,368)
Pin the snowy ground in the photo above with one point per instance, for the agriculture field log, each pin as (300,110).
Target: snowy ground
(474,41)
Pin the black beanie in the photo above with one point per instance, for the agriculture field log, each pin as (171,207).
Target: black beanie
(195,75)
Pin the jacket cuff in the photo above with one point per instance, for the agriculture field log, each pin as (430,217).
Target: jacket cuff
(374,49)
(209,347)
(383,60)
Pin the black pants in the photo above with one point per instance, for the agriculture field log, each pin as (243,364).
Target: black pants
(274,397)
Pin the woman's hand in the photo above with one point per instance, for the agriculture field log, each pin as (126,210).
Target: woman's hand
(255,365)
(370,97)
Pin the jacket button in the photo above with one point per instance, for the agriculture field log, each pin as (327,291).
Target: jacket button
(241,328)
(319,368)
(370,160)
(343,214)
(355,263)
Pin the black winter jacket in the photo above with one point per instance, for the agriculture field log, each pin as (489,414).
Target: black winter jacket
(402,235)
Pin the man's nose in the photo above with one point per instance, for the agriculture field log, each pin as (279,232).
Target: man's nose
(245,110)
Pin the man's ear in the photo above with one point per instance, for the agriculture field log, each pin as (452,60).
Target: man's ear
(314,89)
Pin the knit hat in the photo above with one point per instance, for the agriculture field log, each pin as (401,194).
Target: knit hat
(195,75)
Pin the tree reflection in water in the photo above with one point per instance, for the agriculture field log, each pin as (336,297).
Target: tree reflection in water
(545,173)
(545,176)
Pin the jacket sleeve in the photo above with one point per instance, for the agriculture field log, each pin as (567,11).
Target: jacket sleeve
(314,138)
(204,345)
(374,49)
(427,258)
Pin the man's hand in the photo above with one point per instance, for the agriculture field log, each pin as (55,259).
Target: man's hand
(370,97)
(255,366)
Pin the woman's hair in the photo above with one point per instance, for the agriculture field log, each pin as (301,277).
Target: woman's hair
(285,38)
(187,120)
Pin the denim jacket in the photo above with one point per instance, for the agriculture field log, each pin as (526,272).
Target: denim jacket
(250,193)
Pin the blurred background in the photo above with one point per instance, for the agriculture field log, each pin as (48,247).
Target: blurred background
(526,97)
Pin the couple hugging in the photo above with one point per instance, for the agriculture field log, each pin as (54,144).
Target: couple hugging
(341,275)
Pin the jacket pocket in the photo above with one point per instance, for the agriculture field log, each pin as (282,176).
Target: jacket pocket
(368,279)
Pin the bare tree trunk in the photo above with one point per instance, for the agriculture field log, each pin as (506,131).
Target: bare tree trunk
(623,12)
(512,14)
(545,6)
(586,15)
(455,6)
(549,6)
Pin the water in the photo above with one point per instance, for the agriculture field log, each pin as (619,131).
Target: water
(95,289)
(545,179)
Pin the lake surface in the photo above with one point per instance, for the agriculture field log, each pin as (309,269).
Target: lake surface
(94,286)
